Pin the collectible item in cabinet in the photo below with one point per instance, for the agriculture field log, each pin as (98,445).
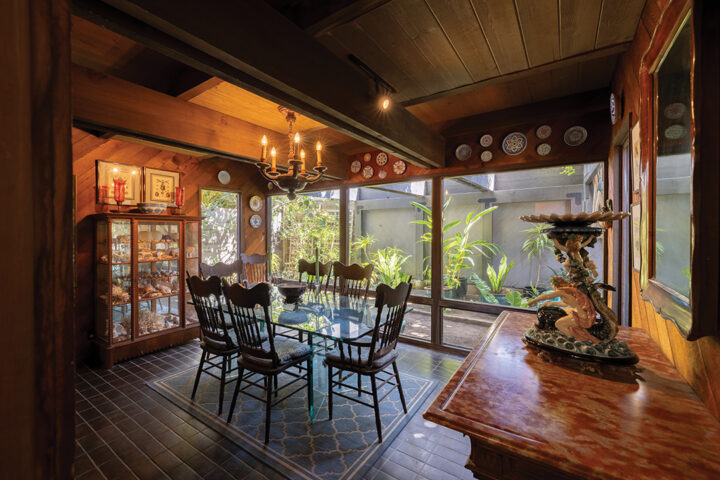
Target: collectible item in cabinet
(140,293)
(106,174)
(160,185)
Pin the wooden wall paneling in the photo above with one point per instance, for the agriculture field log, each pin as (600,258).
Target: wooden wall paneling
(578,25)
(99,49)
(195,173)
(460,24)
(502,31)
(539,24)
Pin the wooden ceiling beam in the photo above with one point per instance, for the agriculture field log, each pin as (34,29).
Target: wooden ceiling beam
(106,103)
(565,62)
(346,14)
(284,64)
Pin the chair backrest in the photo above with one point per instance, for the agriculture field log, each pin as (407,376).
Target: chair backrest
(241,303)
(391,304)
(255,268)
(206,299)
(309,270)
(225,271)
(351,280)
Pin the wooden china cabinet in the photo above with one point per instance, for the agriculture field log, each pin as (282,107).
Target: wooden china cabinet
(140,290)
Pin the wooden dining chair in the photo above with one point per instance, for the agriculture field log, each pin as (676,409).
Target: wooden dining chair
(371,358)
(232,272)
(255,268)
(351,280)
(308,270)
(218,342)
(268,357)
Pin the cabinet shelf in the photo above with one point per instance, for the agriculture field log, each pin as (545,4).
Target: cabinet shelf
(174,259)
(157,297)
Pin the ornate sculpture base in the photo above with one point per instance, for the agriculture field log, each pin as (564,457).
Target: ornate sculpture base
(611,351)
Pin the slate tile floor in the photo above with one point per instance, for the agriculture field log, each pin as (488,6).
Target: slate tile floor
(124,430)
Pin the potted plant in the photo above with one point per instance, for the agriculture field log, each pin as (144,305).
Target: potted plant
(497,278)
(535,244)
(458,248)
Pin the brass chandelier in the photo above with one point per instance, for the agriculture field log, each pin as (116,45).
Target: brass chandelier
(297,176)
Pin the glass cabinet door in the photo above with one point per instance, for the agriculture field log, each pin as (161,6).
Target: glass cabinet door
(114,280)
(158,276)
(192,264)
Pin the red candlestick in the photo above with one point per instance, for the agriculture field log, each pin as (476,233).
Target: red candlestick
(179,196)
(119,191)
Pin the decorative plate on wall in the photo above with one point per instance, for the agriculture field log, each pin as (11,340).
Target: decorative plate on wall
(543,132)
(381,158)
(382,174)
(463,152)
(255,203)
(486,140)
(543,149)
(367,157)
(399,167)
(486,156)
(224,177)
(674,132)
(613,111)
(514,143)
(575,136)
(355,166)
(368,171)
(255,221)
(674,111)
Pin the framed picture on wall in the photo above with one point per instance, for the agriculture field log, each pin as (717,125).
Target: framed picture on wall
(635,214)
(106,172)
(160,185)
(635,136)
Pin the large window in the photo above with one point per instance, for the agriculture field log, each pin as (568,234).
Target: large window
(312,219)
(490,256)
(220,233)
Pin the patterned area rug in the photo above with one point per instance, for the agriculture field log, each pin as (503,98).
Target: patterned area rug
(328,450)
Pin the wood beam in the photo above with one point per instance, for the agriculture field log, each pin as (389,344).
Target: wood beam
(111,104)
(565,62)
(285,65)
(199,89)
(346,14)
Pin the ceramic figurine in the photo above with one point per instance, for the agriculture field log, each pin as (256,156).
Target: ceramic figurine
(574,318)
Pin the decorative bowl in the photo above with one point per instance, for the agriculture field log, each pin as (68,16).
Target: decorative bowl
(291,291)
(152,207)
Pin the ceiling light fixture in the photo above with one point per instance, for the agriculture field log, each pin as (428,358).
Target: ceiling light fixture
(383,89)
(297,176)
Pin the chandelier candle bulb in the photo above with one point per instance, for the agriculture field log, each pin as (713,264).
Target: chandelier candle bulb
(297,145)
(273,160)
(318,147)
(302,160)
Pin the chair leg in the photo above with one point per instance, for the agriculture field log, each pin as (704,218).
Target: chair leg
(268,407)
(222,384)
(197,377)
(376,407)
(235,393)
(399,385)
(330,391)
(359,385)
(311,397)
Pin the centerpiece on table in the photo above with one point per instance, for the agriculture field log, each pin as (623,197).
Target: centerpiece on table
(575,318)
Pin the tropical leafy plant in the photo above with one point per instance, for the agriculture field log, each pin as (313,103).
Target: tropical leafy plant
(360,245)
(457,249)
(497,278)
(515,299)
(535,244)
(484,289)
(388,264)
(567,170)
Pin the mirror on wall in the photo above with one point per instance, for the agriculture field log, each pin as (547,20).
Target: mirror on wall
(673,167)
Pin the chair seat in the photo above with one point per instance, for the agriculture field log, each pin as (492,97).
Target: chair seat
(287,351)
(333,358)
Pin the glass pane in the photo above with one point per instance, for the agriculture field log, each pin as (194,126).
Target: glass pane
(298,225)
(192,264)
(220,226)
(158,314)
(121,300)
(464,328)
(417,322)
(489,254)
(674,166)
(121,241)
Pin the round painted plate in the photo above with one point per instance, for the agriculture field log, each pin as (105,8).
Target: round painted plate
(543,149)
(399,167)
(224,177)
(355,166)
(514,143)
(367,157)
(255,203)
(543,132)
(463,152)
(575,136)
(381,158)
(255,221)
(674,111)
(486,140)
(486,156)
(674,132)
(382,174)
(368,171)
